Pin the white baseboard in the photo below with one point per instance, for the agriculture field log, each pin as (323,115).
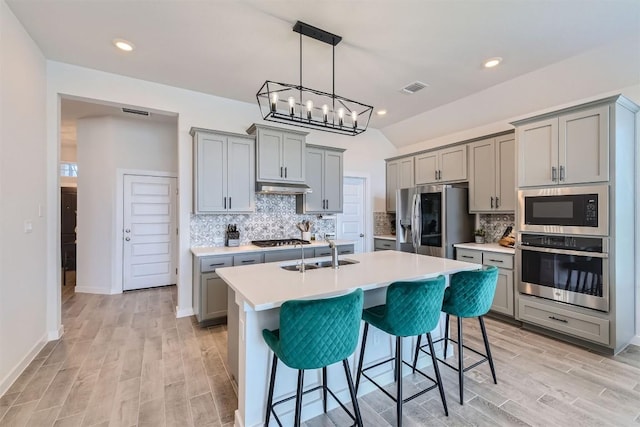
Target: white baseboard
(56,334)
(636,340)
(184,312)
(92,290)
(21,366)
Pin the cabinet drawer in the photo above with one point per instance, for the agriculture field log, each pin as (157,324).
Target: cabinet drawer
(248,259)
(287,254)
(383,244)
(345,250)
(562,320)
(210,263)
(468,255)
(325,251)
(499,260)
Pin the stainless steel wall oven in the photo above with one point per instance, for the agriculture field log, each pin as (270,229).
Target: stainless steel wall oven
(567,268)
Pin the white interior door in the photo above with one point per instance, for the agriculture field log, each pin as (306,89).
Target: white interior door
(149,231)
(352,221)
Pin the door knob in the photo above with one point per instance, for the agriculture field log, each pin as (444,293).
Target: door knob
(361,235)
(127,231)
(127,238)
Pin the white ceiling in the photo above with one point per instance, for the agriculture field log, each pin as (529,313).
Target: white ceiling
(230,47)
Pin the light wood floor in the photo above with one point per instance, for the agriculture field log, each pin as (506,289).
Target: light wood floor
(125,360)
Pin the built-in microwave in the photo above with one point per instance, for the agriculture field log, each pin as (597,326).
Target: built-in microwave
(565,210)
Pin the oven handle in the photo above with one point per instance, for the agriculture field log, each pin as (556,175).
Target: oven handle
(562,251)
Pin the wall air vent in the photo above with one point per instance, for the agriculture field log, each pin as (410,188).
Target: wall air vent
(138,112)
(414,87)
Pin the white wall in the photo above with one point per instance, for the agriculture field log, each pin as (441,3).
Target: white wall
(105,146)
(23,290)
(365,153)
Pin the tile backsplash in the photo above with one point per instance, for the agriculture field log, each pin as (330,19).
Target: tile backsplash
(275,218)
(495,225)
(383,223)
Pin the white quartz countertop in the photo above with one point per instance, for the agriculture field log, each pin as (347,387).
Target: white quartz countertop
(385,237)
(226,250)
(491,247)
(265,286)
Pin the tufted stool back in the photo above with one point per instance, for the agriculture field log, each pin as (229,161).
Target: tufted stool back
(470,293)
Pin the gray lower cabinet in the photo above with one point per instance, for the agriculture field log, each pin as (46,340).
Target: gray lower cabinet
(551,315)
(383,245)
(503,301)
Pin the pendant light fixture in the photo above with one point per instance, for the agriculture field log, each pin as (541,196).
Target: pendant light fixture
(310,108)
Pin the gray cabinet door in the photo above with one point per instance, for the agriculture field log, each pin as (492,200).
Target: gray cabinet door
(584,146)
(482,176)
(406,173)
(392,185)
(270,155)
(452,163)
(505,174)
(538,153)
(333,182)
(426,165)
(293,157)
(211,173)
(214,297)
(241,174)
(314,201)
(503,299)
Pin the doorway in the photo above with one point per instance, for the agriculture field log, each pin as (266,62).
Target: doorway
(353,222)
(149,231)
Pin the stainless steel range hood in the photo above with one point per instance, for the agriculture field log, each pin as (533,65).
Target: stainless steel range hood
(281,188)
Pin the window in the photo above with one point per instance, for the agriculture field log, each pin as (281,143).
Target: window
(68,169)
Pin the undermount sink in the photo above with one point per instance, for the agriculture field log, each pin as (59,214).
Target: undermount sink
(315,265)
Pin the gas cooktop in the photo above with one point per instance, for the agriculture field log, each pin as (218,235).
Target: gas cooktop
(279,242)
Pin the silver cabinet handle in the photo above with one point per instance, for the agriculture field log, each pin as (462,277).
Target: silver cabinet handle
(217,264)
(225,202)
(327,203)
(436,173)
(281,174)
(229,202)
(561,173)
(439,174)
(492,202)
(466,256)
(285,171)
(495,260)
(127,238)
(497,205)
(553,173)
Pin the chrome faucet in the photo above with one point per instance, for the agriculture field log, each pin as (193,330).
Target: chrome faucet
(334,253)
(302,256)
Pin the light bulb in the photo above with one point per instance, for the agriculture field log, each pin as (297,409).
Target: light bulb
(341,116)
(325,113)
(309,108)
(292,103)
(274,101)
(354,118)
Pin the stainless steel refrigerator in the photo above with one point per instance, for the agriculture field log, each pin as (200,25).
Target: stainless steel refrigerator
(430,219)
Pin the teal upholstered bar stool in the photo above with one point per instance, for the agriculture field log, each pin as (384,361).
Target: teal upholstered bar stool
(470,294)
(314,334)
(411,309)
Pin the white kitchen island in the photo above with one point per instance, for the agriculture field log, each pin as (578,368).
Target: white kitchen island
(256,293)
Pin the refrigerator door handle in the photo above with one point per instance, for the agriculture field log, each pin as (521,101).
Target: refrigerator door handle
(415,222)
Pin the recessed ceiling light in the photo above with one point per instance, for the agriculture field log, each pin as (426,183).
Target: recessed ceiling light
(122,44)
(381,112)
(492,62)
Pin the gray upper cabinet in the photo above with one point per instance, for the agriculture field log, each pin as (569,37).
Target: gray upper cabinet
(324,169)
(224,165)
(280,154)
(492,175)
(441,166)
(400,174)
(570,148)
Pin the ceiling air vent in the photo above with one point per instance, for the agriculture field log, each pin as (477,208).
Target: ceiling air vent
(138,112)
(414,87)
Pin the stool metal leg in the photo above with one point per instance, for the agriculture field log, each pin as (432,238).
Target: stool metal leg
(272,383)
(437,371)
(460,357)
(298,413)
(415,357)
(399,380)
(446,336)
(488,350)
(324,389)
(362,346)
(352,392)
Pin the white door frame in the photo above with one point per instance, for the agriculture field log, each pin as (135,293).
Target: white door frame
(118,259)
(368,213)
